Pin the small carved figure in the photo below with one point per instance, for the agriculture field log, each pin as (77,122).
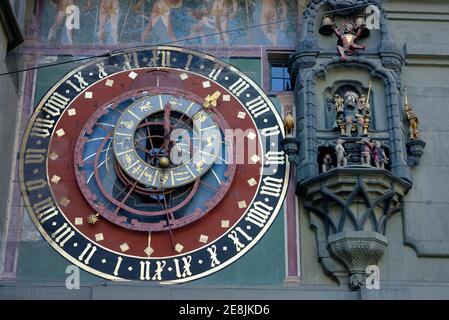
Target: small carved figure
(347,41)
(380,158)
(342,157)
(366,149)
(289,123)
(412,119)
(339,103)
(327,163)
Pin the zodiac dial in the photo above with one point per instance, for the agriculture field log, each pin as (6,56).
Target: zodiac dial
(157,164)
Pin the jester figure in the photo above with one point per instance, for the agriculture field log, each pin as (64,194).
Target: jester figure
(347,41)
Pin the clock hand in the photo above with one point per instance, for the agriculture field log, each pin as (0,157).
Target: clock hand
(167,129)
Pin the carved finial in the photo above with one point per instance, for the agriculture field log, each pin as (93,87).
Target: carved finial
(289,123)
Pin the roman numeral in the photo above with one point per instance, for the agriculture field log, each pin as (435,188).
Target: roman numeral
(273,131)
(239,87)
(185,269)
(130,59)
(271,187)
(145,270)
(82,84)
(189,62)
(41,128)
(34,156)
(87,253)
(45,210)
(63,234)
(56,103)
(213,256)
(257,107)
(236,240)
(275,157)
(117,266)
(215,72)
(259,214)
(101,72)
(160,265)
(165,57)
(33,185)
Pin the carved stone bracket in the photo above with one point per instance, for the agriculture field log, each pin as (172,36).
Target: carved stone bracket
(415,150)
(349,209)
(357,250)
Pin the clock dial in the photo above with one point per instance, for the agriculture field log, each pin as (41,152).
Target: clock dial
(161,164)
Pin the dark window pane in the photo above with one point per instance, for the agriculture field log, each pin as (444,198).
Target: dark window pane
(287,85)
(277,72)
(277,85)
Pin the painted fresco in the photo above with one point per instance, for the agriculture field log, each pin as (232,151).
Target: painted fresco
(183,22)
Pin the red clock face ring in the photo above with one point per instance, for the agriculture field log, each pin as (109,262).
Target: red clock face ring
(160,164)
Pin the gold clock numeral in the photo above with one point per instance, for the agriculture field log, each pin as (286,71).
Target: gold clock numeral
(239,87)
(45,210)
(275,157)
(184,271)
(233,235)
(189,62)
(42,127)
(164,56)
(272,187)
(145,270)
(101,70)
(259,214)
(33,185)
(35,156)
(87,253)
(216,72)
(257,107)
(131,61)
(117,266)
(272,131)
(55,104)
(82,84)
(63,234)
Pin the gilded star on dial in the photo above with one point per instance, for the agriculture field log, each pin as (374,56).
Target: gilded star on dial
(93,218)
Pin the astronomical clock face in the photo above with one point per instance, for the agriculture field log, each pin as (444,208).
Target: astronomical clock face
(161,164)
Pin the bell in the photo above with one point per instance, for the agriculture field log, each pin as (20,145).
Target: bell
(326,26)
(361,23)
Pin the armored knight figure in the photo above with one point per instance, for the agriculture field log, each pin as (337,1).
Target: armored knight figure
(347,41)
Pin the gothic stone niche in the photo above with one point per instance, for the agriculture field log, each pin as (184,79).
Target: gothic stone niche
(349,209)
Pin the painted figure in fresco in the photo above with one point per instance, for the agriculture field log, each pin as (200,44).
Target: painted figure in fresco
(202,16)
(109,11)
(366,149)
(160,11)
(342,157)
(269,13)
(222,12)
(60,18)
(380,157)
(347,40)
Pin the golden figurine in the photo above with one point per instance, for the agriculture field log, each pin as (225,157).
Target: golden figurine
(412,118)
(289,123)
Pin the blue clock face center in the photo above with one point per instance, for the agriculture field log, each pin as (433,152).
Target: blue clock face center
(165,142)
